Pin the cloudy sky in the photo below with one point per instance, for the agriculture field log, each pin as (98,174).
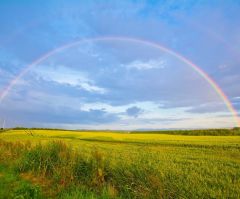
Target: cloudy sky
(107,71)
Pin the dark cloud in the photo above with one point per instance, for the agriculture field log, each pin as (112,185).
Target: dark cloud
(61,115)
(134,111)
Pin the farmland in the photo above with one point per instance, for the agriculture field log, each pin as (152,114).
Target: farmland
(82,164)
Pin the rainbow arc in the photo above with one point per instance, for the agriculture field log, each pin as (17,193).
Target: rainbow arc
(201,72)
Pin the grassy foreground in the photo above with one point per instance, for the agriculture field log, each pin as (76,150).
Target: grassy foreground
(69,164)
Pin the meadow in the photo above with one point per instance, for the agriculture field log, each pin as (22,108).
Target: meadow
(41,163)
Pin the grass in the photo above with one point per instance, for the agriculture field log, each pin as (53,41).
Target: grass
(69,164)
(13,186)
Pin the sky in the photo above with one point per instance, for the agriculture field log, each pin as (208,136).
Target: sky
(117,64)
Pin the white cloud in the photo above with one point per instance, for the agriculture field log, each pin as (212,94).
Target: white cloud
(92,88)
(64,75)
(146,65)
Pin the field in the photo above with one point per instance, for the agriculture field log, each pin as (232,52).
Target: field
(72,164)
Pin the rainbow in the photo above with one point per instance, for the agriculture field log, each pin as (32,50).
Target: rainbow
(202,73)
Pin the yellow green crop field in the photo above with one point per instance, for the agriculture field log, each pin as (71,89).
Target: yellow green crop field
(75,164)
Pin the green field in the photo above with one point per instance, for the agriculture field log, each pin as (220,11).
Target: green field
(72,164)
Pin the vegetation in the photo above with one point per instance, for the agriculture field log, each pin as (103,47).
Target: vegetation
(62,164)
(232,131)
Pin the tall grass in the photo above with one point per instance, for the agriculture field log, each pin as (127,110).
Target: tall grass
(94,174)
(45,159)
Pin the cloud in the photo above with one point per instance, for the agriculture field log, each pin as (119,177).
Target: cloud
(88,86)
(60,115)
(208,108)
(74,78)
(134,111)
(237,98)
(147,65)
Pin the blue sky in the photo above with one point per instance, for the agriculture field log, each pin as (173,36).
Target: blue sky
(119,84)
